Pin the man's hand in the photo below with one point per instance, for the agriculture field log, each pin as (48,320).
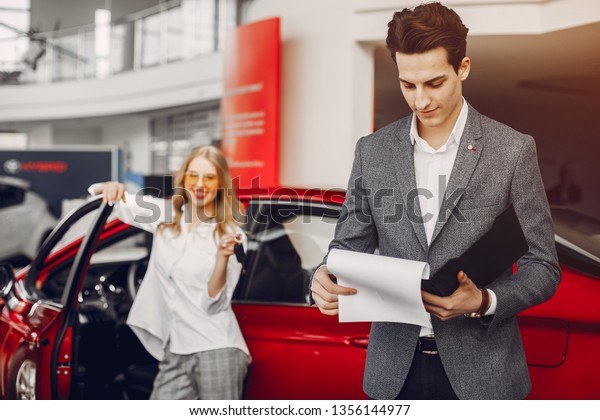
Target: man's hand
(466,299)
(325,292)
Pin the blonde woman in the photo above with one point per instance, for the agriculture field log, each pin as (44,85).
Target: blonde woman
(182,313)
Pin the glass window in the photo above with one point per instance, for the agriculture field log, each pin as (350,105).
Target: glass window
(174,135)
(290,242)
(206,26)
(14,42)
(578,240)
(15,4)
(174,34)
(86,55)
(151,40)
(121,47)
(16,16)
(66,58)
(10,196)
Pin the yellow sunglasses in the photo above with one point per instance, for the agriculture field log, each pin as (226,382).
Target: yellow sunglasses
(190,179)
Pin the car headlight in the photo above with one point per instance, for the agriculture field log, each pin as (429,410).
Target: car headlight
(25,384)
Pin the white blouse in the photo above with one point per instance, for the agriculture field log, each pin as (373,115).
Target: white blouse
(173,302)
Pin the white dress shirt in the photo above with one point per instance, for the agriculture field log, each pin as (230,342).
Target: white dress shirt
(432,171)
(172,303)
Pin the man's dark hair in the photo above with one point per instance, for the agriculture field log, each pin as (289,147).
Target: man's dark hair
(425,28)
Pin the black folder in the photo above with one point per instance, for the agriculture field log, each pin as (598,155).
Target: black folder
(485,260)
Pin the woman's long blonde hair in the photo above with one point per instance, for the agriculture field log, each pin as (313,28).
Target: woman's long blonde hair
(227,205)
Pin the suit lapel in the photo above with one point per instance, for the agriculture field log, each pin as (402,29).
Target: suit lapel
(462,170)
(403,153)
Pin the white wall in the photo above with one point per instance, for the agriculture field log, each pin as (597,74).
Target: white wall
(76,135)
(38,134)
(320,68)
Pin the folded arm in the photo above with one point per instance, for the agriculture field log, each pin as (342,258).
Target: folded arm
(538,272)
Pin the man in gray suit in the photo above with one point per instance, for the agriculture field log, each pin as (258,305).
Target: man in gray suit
(427,187)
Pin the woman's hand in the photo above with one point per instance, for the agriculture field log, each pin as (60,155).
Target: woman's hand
(226,244)
(225,249)
(113,192)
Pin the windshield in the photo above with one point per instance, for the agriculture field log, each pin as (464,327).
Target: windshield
(577,240)
(578,229)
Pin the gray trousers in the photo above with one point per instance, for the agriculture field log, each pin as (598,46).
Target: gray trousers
(208,375)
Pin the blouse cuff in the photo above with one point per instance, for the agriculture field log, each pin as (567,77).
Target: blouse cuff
(95,189)
(217,296)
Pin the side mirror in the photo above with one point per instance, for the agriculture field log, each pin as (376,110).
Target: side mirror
(7,280)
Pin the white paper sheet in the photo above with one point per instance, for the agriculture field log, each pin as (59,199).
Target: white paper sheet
(388,289)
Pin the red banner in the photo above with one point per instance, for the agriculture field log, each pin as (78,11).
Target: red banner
(250,104)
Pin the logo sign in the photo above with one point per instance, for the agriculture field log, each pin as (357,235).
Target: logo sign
(12,166)
(250,104)
(58,174)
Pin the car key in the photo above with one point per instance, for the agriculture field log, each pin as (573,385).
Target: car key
(239,252)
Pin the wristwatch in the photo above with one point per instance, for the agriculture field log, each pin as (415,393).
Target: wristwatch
(485,303)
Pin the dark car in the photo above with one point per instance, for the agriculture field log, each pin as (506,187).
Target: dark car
(63,331)
(26,220)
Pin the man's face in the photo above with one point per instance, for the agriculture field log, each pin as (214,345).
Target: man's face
(431,87)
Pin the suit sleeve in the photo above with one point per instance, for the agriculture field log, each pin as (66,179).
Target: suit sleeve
(538,273)
(355,230)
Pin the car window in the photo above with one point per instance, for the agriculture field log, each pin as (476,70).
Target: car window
(10,196)
(50,278)
(77,230)
(103,266)
(578,240)
(287,244)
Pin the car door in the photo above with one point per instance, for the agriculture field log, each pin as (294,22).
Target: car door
(562,336)
(37,324)
(291,343)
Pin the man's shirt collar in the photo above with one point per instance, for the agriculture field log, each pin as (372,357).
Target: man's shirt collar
(457,131)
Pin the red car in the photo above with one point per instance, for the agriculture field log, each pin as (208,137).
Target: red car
(63,332)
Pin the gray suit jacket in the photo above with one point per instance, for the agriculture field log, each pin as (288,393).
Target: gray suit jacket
(484,357)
